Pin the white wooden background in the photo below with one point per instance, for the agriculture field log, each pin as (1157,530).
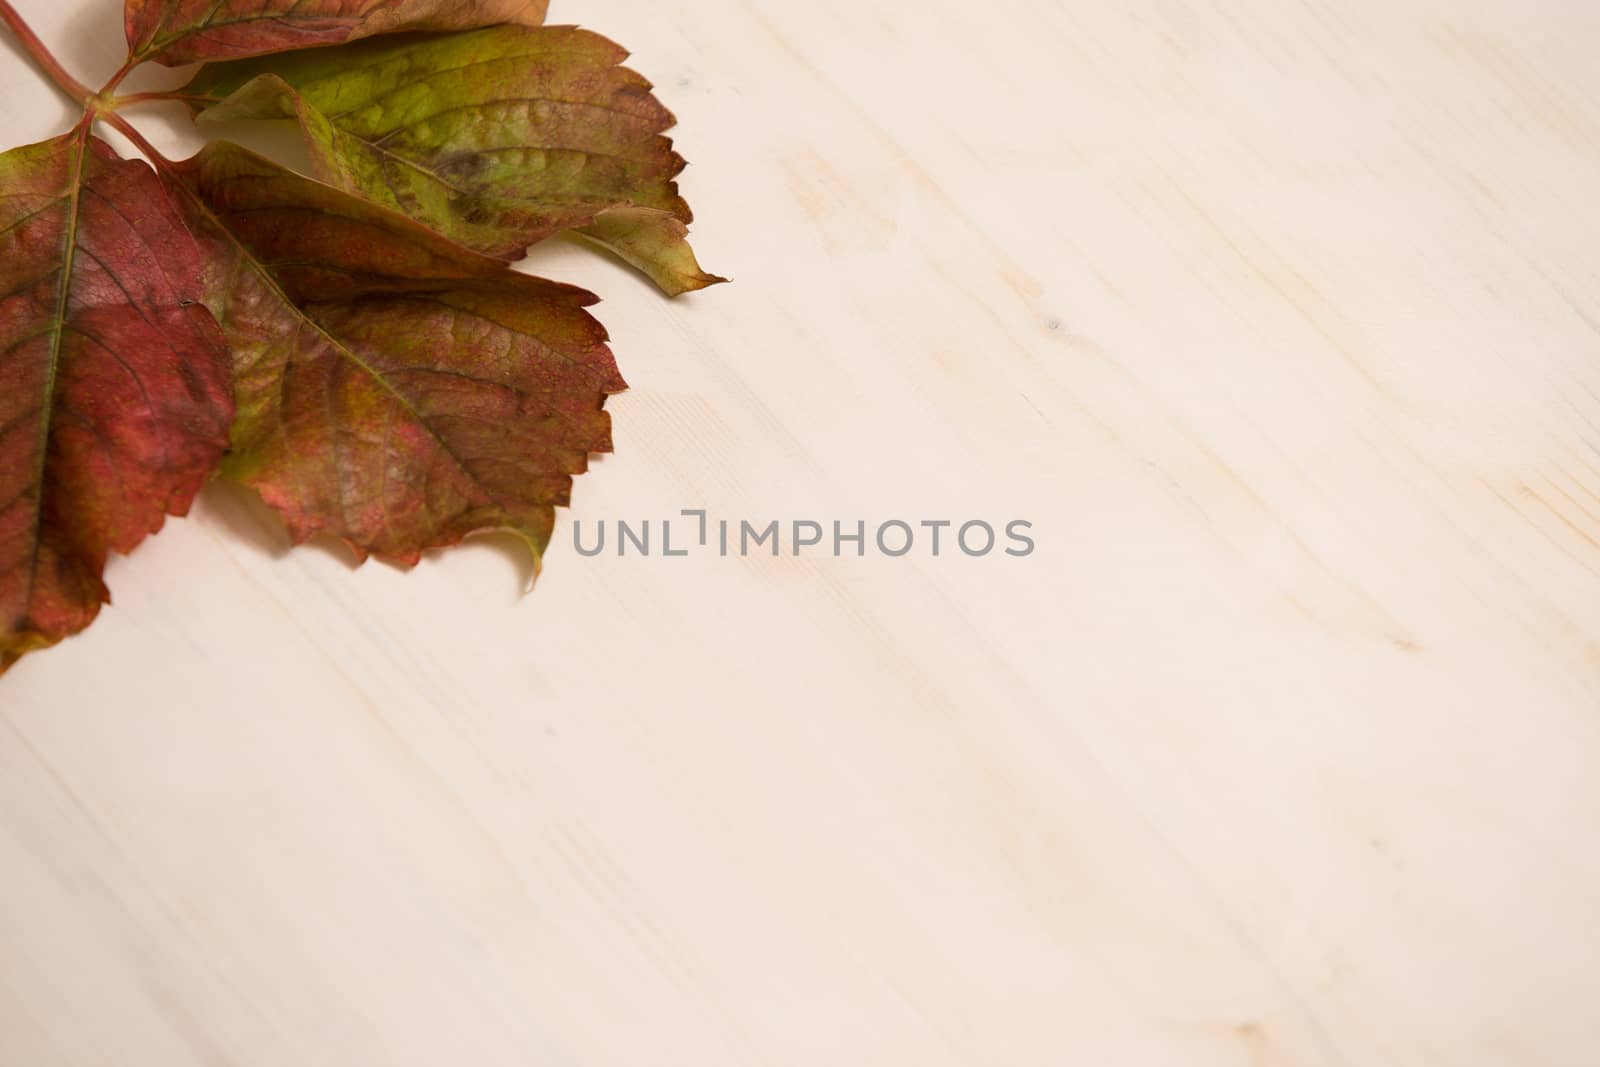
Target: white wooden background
(1279,320)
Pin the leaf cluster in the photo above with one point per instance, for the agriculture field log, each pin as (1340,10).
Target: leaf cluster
(351,343)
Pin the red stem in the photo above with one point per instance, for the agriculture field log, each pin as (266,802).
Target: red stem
(74,88)
(165,96)
(116,79)
(95,105)
(127,129)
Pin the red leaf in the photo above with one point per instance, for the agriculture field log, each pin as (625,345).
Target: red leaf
(175,32)
(114,386)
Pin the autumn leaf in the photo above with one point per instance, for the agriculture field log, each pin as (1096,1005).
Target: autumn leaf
(114,385)
(175,32)
(656,243)
(394,390)
(497,138)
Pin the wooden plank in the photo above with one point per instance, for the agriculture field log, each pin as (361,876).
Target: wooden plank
(1278,322)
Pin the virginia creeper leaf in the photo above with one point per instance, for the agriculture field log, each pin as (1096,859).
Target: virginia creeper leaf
(394,390)
(175,32)
(498,138)
(114,381)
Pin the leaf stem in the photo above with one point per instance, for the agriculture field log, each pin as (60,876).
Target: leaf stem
(116,79)
(128,130)
(75,89)
(161,97)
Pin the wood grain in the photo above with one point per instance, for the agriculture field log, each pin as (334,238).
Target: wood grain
(1279,321)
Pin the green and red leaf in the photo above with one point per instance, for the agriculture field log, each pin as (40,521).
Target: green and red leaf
(394,390)
(115,398)
(497,138)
